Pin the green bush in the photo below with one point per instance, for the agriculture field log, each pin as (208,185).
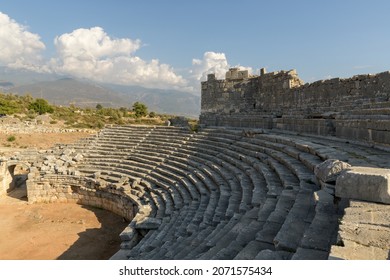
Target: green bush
(140,109)
(27,108)
(100,124)
(11,138)
(41,106)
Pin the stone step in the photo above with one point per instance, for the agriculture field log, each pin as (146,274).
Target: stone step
(226,232)
(309,254)
(252,249)
(297,221)
(321,233)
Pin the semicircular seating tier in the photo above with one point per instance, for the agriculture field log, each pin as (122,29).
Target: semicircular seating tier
(221,193)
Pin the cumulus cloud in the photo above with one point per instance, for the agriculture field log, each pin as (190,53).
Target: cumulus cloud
(91,53)
(211,62)
(19,48)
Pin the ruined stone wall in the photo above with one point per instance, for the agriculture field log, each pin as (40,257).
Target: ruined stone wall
(81,190)
(5,178)
(355,108)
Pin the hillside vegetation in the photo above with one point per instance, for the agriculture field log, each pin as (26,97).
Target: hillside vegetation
(28,108)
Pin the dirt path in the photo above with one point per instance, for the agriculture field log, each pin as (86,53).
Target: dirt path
(56,231)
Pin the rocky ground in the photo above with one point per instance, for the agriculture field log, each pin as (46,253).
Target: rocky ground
(16,134)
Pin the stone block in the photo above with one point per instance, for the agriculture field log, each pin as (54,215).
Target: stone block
(78,157)
(365,183)
(310,254)
(148,223)
(268,255)
(355,251)
(330,169)
(323,197)
(128,233)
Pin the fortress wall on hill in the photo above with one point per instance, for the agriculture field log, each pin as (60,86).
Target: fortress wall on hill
(356,108)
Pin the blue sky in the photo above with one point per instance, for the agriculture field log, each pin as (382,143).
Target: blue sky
(174,44)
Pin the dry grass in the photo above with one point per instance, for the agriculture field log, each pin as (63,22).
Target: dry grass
(40,140)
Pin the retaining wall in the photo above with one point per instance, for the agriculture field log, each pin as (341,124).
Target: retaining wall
(81,190)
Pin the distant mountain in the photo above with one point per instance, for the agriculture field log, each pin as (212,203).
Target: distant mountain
(24,77)
(66,91)
(6,85)
(160,100)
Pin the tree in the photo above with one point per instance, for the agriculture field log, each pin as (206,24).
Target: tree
(41,106)
(140,109)
(123,112)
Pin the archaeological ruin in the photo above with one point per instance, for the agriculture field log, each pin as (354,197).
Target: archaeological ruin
(356,108)
(278,170)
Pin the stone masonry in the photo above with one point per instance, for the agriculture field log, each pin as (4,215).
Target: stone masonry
(356,108)
(219,193)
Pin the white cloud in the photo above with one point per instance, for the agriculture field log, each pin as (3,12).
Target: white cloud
(19,48)
(92,54)
(212,62)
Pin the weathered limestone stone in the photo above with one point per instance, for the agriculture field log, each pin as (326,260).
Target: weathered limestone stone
(148,223)
(365,183)
(128,233)
(355,251)
(330,169)
(323,197)
(96,175)
(50,158)
(309,254)
(78,157)
(268,255)
(334,107)
(364,232)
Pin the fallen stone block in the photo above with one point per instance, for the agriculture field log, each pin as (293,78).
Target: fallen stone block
(330,169)
(365,183)
(78,157)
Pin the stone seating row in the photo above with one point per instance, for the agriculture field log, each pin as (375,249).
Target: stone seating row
(225,193)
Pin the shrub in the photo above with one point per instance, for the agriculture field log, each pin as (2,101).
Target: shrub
(100,124)
(140,109)
(11,138)
(41,106)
